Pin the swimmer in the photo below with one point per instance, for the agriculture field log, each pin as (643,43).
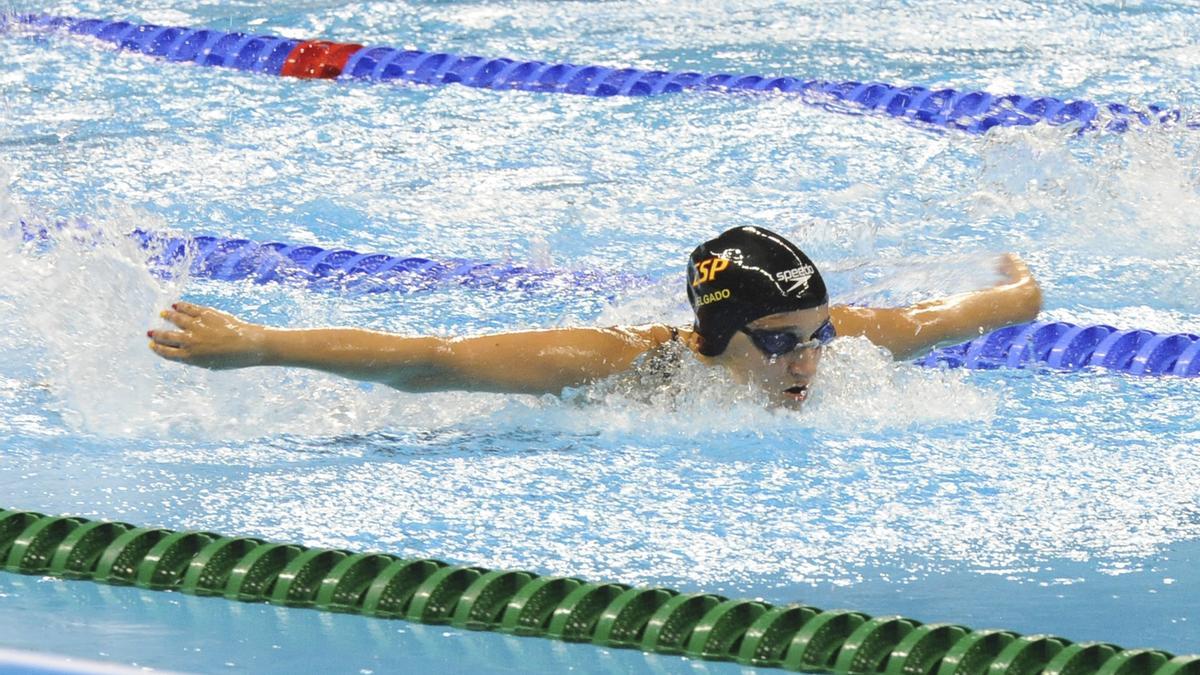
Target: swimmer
(761,311)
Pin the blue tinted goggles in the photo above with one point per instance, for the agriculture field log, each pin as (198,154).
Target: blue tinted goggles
(780,342)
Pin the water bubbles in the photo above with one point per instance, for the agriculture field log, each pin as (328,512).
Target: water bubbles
(860,387)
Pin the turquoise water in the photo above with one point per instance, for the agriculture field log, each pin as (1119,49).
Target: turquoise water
(1033,501)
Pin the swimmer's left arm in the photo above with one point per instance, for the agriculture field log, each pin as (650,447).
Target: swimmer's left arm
(908,332)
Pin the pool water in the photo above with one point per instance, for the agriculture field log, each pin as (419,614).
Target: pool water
(1034,501)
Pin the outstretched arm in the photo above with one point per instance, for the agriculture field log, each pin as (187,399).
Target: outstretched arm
(911,331)
(531,362)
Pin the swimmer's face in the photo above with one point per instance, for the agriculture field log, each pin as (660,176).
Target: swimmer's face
(780,353)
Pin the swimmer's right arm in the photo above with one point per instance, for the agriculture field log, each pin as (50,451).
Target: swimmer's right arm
(912,331)
(528,362)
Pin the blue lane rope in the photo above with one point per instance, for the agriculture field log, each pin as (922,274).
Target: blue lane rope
(343,270)
(236,259)
(1065,346)
(970,111)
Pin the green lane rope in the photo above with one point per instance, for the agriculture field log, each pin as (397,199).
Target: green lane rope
(699,625)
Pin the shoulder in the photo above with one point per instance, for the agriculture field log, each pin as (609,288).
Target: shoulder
(658,334)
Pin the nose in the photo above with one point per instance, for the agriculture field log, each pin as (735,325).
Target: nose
(804,363)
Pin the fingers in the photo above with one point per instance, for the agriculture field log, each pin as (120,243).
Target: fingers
(184,314)
(1012,267)
(169,338)
(188,308)
(178,318)
(173,345)
(169,353)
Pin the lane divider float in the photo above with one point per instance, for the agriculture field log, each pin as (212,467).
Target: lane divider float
(1060,345)
(970,111)
(339,269)
(660,620)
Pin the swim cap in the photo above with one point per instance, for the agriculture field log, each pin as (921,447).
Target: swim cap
(745,274)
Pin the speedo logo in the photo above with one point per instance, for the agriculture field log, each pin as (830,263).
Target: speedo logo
(715,296)
(707,270)
(798,276)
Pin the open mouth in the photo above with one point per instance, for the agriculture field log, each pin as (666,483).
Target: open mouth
(799,392)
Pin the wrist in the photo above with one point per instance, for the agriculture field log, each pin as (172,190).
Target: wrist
(263,342)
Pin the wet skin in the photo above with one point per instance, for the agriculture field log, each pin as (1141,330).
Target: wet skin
(219,341)
(547,361)
(787,379)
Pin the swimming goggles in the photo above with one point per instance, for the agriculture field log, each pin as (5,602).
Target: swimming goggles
(780,342)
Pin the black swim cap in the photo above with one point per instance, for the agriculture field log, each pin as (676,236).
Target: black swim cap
(745,274)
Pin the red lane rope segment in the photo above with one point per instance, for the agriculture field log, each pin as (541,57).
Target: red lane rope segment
(318,59)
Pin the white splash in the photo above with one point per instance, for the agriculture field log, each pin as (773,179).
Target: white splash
(1136,194)
(861,388)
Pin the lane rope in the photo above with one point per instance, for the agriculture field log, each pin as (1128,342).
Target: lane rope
(660,620)
(345,270)
(970,111)
(338,269)
(1060,345)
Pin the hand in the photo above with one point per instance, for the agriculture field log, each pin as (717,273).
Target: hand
(1013,269)
(1018,278)
(208,338)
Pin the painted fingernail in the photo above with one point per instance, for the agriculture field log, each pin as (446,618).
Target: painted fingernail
(149,333)
(175,306)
